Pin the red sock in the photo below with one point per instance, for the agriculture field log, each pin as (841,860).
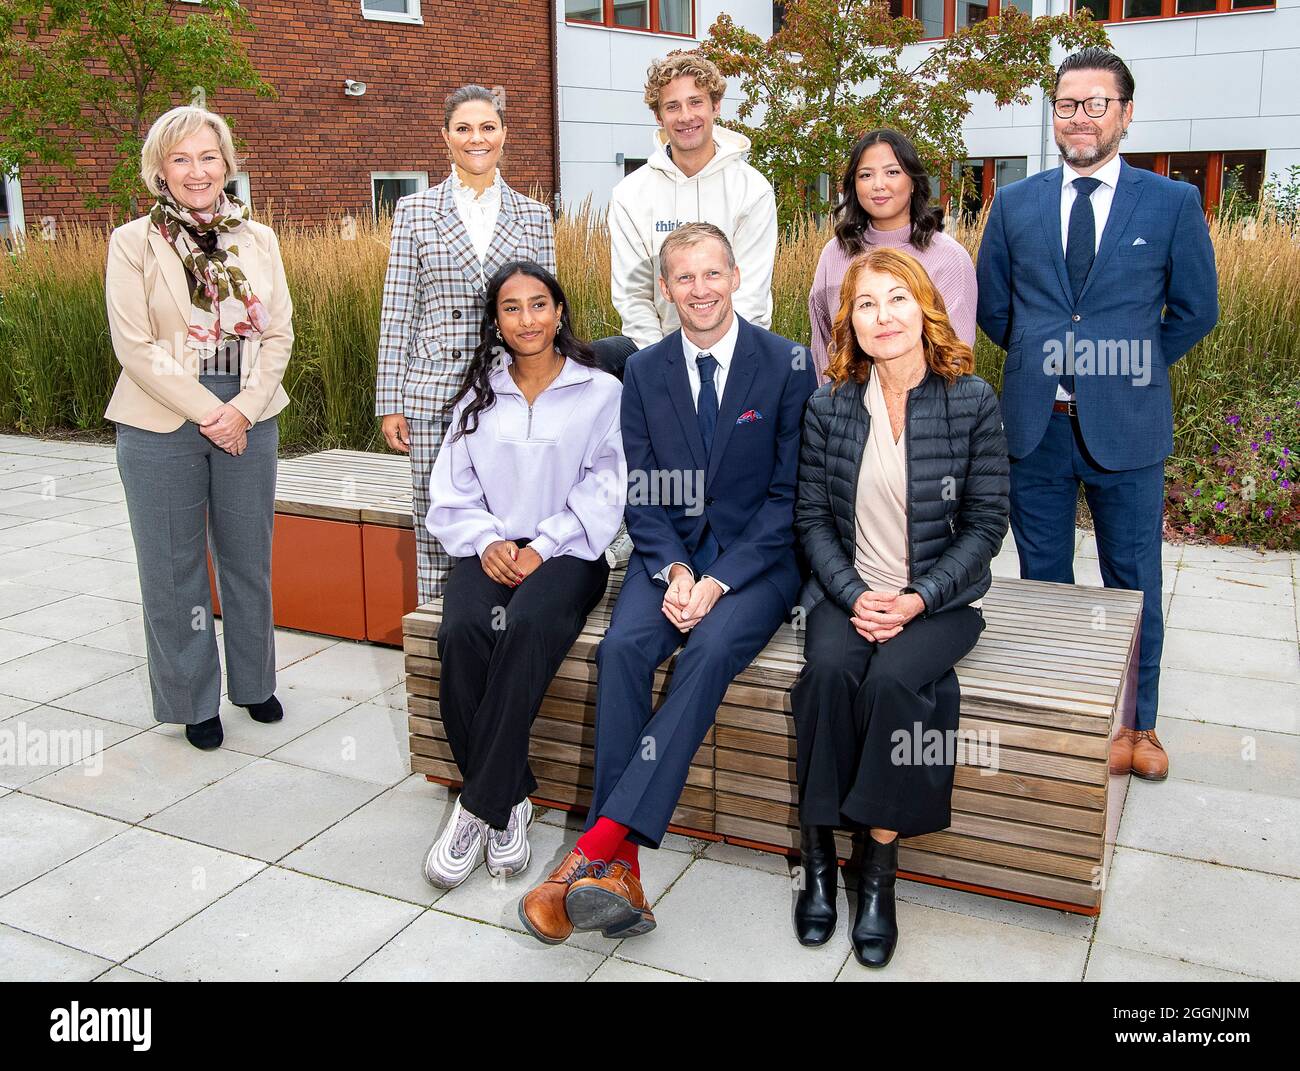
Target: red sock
(627,853)
(601,841)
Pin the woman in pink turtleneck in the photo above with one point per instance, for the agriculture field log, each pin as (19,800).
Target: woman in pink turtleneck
(885,201)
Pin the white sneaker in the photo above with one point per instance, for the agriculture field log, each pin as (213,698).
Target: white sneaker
(620,551)
(455,853)
(507,849)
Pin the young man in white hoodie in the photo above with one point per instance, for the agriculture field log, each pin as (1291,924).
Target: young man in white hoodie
(697,174)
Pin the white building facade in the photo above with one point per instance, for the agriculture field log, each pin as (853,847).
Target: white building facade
(1217,99)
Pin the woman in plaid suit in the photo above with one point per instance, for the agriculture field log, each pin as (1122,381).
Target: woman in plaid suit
(447,243)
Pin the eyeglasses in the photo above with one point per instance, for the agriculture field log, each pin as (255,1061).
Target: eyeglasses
(1094,107)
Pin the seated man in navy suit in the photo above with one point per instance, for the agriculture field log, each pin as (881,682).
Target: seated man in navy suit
(1096,277)
(711,422)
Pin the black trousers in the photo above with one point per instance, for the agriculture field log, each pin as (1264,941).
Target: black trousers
(500,647)
(612,353)
(865,718)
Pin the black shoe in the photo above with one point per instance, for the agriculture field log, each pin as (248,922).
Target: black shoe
(206,735)
(267,711)
(875,929)
(814,907)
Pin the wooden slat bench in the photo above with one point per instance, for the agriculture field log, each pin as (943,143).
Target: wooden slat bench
(343,558)
(1051,679)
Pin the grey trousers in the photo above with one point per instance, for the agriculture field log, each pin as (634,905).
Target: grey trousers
(182,493)
(432,563)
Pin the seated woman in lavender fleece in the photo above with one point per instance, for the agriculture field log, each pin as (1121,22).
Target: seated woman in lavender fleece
(526,494)
(885,203)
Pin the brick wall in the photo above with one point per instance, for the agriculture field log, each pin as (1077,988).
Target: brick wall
(309,153)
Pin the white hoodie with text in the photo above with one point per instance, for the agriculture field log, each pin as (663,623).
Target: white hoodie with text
(656,199)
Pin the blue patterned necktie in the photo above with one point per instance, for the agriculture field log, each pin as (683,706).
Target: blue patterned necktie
(1080,245)
(706,410)
(707,406)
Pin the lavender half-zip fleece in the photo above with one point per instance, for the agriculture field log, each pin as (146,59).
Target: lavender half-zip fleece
(554,475)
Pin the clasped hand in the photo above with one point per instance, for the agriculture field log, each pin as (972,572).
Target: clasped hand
(687,600)
(228,428)
(879,616)
(506,562)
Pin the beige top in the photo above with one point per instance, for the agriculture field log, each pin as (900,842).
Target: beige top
(149,317)
(880,550)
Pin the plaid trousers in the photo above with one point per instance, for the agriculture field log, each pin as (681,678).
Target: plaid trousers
(432,562)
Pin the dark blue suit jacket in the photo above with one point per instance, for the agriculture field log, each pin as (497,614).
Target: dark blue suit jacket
(1151,296)
(745,488)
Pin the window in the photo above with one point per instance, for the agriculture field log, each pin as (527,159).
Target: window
(387,186)
(237,187)
(630,165)
(11,209)
(974,182)
(1219,176)
(654,16)
(941,17)
(1120,10)
(391,10)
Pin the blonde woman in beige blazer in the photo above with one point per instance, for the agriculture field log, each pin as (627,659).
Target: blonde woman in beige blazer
(201,322)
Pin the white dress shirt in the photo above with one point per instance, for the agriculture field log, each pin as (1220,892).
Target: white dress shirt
(478,211)
(1102,196)
(722,351)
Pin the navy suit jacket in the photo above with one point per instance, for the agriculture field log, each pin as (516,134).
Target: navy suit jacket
(745,487)
(1151,295)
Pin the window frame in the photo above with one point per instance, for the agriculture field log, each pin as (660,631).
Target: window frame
(411,17)
(243,187)
(988,180)
(1213,171)
(1169,10)
(949,15)
(13,187)
(607,21)
(421,178)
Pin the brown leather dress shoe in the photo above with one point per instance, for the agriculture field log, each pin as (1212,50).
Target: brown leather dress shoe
(541,910)
(1150,760)
(1121,751)
(609,899)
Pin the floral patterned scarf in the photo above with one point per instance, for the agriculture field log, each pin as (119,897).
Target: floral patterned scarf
(222,303)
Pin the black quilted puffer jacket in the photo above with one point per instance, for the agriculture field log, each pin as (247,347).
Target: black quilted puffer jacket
(957,490)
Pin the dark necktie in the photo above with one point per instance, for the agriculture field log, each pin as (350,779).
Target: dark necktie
(707,406)
(1080,245)
(706,410)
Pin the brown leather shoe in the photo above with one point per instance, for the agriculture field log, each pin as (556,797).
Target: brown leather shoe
(1150,760)
(609,899)
(541,910)
(1121,751)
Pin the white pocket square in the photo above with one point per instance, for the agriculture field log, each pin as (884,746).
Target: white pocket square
(1139,241)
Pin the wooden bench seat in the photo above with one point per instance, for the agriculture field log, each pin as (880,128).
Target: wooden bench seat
(1051,679)
(343,556)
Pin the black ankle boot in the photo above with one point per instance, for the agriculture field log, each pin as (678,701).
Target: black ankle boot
(875,929)
(206,735)
(814,907)
(268,710)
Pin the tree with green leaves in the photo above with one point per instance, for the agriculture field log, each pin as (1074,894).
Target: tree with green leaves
(73,73)
(838,68)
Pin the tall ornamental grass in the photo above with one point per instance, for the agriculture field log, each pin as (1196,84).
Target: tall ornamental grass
(57,367)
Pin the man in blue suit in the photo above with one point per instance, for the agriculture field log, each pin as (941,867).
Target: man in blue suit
(1096,277)
(711,424)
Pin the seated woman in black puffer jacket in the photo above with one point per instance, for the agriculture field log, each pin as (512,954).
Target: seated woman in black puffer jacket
(902,504)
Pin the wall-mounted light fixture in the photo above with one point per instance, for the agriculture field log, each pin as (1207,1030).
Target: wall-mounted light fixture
(353,88)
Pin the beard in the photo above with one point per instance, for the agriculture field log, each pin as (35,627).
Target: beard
(1083,156)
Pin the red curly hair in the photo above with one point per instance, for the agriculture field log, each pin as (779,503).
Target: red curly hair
(946,355)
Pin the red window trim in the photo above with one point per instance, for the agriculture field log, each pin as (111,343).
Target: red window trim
(950,15)
(1169,10)
(654,28)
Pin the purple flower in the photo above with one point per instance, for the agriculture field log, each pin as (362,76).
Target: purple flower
(1234,420)
(1285,485)
(1273,474)
(1220,506)
(1254,448)
(1268,513)
(1232,470)
(1214,449)
(1196,493)
(1286,451)
(1268,436)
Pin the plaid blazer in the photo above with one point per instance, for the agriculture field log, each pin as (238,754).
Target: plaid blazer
(434,292)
